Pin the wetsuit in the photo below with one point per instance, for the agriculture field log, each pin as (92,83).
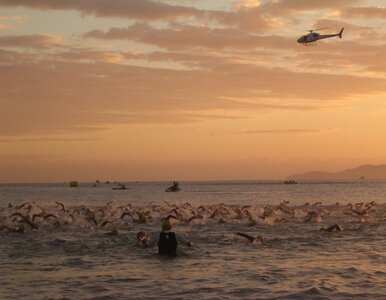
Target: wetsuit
(167,243)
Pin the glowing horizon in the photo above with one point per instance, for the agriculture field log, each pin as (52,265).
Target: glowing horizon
(186,90)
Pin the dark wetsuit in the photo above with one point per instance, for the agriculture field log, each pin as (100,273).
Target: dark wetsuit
(167,243)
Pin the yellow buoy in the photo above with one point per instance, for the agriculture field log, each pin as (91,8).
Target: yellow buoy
(74,184)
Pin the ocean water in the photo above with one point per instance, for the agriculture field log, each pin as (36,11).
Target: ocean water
(67,251)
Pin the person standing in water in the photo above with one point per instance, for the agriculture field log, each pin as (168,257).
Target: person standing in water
(167,240)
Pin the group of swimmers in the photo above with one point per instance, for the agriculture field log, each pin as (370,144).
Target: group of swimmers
(18,219)
(33,216)
(167,240)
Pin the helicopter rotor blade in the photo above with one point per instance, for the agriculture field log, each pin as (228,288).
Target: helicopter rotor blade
(323,28)
(312,30)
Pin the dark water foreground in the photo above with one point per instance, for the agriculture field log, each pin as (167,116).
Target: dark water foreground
(69,256)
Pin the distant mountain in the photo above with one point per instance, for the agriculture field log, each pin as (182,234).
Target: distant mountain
(362,172)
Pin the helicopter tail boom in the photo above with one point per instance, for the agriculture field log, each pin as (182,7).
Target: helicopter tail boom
(340,33)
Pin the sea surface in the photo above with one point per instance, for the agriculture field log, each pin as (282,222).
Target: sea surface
(58,242)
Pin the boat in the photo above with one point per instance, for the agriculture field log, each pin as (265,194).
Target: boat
(74,183)
(290,181)
(174,188)
(120,187)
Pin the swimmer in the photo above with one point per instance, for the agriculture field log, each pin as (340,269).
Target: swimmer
(19,228)
(171,217)
(141,218)
(125,213)
(250,238)
(194,218)
(113,232)
(61,205)
(167,240)
(311,215)
(335,227)
(104,223)
(142,238)
(26,220)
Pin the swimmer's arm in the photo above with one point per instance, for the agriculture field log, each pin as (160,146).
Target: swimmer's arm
(142,243)
(181,239)
(152,240)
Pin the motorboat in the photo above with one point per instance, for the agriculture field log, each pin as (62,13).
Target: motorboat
(174,188)
(120,187)
(290,181)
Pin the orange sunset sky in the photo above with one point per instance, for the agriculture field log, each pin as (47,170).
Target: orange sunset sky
(189,89)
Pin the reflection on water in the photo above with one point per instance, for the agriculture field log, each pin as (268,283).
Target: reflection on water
(296,260)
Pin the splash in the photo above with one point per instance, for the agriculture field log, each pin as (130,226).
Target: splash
(32,216)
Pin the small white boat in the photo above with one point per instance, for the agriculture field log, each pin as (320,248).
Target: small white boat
(120,187)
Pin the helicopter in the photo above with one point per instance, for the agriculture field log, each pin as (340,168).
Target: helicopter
(314,36)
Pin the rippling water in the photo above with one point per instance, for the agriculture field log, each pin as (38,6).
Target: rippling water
(71,256)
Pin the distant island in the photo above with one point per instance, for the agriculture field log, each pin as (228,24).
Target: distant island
(362,172)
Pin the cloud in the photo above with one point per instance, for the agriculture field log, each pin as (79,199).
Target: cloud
(369,12)
(354,56)
(285,131)
(298,5)
(3,26)
(89,55)
(248,15)
(91,97)
(228,71)
(7,22)
(134,9)
(12,18)
(273,14)
(254,16)
(21,158)
(188,37)
(36,41)
(247,4)
(49,139)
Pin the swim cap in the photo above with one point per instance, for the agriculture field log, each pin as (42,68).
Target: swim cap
(114,231)
(166,225)
(141,234)
(20,228)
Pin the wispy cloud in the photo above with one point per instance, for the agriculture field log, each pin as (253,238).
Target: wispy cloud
(48,139)
(188,37)
(364,12)
(31,41)
(135,9)
(79,100)
(8,22)
(250,15)
(285,131)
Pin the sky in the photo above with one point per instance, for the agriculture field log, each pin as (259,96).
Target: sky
(189,89)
